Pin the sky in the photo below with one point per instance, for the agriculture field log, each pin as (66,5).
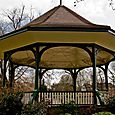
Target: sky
(96,11)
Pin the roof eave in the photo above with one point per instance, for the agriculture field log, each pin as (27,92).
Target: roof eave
(66,28)
(60,28)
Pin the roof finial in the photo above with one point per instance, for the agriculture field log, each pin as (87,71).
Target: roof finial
(60,2)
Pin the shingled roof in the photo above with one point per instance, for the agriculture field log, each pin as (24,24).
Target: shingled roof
(62,16)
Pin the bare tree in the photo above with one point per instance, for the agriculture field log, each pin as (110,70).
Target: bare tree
(30,15)
(112,72)
(2,28)
(15,16)
(111,3)
(15,19)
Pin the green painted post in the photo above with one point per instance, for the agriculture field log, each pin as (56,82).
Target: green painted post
(74,80)
(11,75)
(106,77)
(40,76)
(94,74)
(37,67)
(4,76)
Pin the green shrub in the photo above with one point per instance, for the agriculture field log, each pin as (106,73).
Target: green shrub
(65,114)
(111,105)
(10,104)
(68,109)
(103,113)
(36,108)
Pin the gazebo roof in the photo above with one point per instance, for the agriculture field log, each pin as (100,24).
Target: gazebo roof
(64,30)
(61,16)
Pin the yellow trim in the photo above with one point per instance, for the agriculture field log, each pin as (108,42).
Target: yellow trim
(104,39)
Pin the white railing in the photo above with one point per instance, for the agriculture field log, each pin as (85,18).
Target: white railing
(62,97)
(27,97)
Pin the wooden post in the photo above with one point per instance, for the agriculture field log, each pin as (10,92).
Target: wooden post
(37,73)
(106,77)
(74,83)
(37,60)
(74,76)
(11,75)
(94,74)
(4,75)
(40,76)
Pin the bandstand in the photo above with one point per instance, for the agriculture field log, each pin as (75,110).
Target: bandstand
(60,39)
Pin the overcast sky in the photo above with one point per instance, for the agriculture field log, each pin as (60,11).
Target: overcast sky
(96,11)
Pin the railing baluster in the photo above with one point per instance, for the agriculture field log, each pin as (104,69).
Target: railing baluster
(82,97)
(86,98)
(91,98)
(76,97)
(67,97)
(73,96)
(38,97)
(55,98)
(63,98)
(51,98)
(59,98)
